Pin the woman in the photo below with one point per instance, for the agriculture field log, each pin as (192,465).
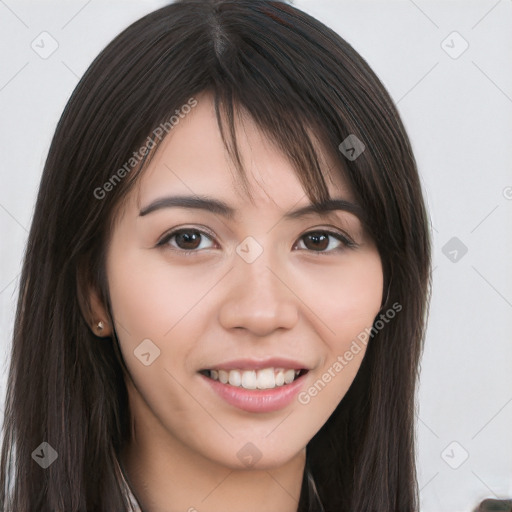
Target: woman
(226,280)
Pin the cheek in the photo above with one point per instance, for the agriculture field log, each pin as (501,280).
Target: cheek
(346,297)
(150,296)
(157,309)
(347,300)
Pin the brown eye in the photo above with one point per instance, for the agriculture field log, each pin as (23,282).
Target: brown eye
(325,241)
(316,241)
(188,240)
(185,240)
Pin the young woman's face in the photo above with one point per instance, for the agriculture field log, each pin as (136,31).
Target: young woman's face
(250,296)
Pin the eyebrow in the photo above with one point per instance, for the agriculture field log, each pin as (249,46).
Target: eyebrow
(221,208)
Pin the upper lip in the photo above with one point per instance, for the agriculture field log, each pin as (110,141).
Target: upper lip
(258,364)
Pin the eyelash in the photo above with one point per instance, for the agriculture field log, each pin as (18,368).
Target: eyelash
(346,242)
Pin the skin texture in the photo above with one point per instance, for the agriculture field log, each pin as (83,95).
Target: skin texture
(211,306)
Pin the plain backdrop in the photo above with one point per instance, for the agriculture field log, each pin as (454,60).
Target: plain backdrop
(447,65)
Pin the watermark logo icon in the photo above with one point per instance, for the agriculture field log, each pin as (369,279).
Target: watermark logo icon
(44,455)
(455,455)
(44,45)
(249,454)
(249,249)
(454,249)
(454,45)
(351,147)
(146,352)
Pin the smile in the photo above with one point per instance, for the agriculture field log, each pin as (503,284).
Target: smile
(265,378)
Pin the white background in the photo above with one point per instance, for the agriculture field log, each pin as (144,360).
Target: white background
(458,112)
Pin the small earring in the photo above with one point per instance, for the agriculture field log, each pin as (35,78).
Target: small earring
(100,326)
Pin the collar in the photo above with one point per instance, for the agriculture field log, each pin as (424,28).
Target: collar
(134,504)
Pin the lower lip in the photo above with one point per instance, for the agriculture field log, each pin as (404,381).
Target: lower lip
(258,400)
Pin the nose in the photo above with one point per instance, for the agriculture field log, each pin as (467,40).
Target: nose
(258,299)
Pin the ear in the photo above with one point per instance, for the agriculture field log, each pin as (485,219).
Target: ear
(99,314)
(92,306)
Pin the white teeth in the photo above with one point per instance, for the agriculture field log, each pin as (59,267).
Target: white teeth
(266,378)
(235,378)
(249,380)
(289,375)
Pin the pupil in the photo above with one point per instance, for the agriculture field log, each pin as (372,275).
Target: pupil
(187,238)
(317,238)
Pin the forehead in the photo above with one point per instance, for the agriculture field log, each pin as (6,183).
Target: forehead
(193,159)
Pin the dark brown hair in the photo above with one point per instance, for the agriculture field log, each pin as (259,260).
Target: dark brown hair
(295,77)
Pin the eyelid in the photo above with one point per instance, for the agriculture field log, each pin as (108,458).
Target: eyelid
(174,231)
(340,235)
(333,231)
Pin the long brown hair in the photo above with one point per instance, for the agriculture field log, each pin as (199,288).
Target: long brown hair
(295,77)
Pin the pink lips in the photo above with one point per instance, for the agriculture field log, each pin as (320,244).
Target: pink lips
(265,400)
(258,400)
(258,364)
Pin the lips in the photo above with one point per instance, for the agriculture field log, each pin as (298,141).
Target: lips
(259,375)
(256,400)
(266,378)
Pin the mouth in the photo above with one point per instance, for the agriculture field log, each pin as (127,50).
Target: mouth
(264,378)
